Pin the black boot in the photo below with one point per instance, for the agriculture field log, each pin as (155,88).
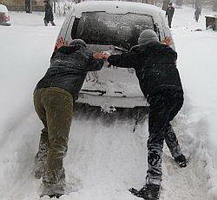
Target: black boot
(181,161)
(148,192)
(52,23)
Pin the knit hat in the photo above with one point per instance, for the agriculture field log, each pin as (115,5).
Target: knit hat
(78,41)
(147,36)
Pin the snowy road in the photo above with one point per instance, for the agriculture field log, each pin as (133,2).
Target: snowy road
(105,157)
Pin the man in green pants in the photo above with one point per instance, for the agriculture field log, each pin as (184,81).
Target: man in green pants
(53,99)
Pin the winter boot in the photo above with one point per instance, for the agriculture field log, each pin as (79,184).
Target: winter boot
(40,160)
(54,184)
(148,192)
(181,161)
(52,23)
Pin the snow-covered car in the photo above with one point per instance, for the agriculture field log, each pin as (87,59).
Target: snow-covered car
(114,27)
(4,16)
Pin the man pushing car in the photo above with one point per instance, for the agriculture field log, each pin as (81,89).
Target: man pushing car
(155,66)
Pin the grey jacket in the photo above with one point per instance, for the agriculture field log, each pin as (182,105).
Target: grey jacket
(68,68)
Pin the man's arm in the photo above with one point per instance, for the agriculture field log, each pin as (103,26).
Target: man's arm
(125,60)
(95,64)
(96,61)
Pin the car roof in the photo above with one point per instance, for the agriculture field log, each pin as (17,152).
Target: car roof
(3,8)
(117,7)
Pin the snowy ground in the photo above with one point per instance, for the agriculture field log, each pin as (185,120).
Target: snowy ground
(105,156)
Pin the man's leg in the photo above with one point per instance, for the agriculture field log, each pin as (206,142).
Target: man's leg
(169,21)
(41,156)
(174,147)
(172,142)
(175,102)
(160,114)
(52,23)
(157,128)
(45,22)
(58,104)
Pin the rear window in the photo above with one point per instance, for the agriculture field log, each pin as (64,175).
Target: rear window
(111,29)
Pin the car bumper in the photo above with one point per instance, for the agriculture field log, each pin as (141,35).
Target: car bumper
(113,101)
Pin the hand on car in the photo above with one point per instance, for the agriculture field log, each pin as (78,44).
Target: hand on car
(167,40)
(101,55)
(60,42)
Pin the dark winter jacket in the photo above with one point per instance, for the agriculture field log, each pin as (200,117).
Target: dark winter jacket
(170,12)
(155,66)
(197,12)
(48,13)
(68,69)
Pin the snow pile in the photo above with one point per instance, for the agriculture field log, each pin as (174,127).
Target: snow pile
(197,64)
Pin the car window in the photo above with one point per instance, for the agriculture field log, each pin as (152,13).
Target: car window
(111,29)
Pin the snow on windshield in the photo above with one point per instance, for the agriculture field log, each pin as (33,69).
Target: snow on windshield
(117,29)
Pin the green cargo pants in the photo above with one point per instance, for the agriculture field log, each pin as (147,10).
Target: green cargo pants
(54,107)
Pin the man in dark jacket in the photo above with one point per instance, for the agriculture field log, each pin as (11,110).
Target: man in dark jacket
(169,13)
(155,66)
(48,14)
(53,99)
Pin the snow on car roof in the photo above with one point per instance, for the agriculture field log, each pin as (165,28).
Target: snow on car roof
(3,8)
(115,7)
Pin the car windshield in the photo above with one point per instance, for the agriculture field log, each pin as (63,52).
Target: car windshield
(111,29)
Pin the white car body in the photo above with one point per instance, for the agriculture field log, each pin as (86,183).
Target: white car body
(4,16)
(112,86)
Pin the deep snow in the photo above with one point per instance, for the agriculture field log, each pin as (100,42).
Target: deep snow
(105,156)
